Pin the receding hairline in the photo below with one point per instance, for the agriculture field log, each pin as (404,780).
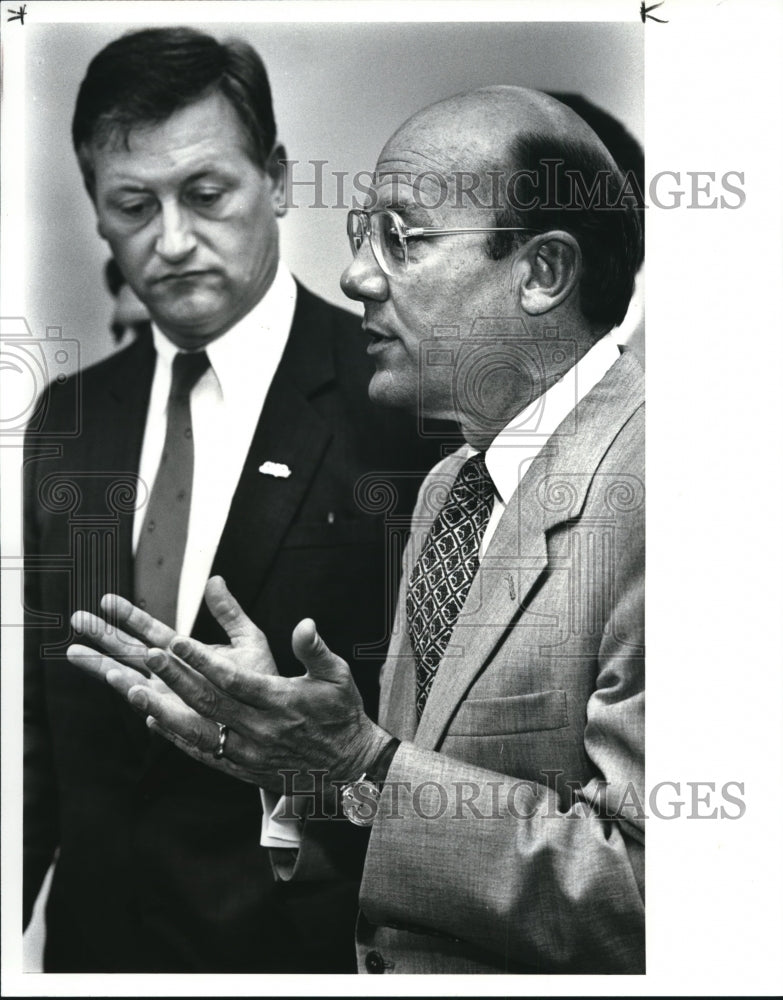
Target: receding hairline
(484,123)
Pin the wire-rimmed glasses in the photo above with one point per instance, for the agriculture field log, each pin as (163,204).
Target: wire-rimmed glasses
(389,235)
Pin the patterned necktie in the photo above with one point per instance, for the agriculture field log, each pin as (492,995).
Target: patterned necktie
(444,571)
(161,546)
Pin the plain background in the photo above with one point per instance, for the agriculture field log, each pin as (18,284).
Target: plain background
(713,76)
(339,92)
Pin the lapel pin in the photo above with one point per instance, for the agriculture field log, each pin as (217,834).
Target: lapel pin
(277,469)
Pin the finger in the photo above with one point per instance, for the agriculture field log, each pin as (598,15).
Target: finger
(168,714)
(98,664)
(151,631)
(173,714)
(208,758)
(242,682)
(191,688)
(229,615)
(121,678)
(239,756)
(111,640)
(313,653)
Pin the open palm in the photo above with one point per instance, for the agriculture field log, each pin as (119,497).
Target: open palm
(122,644)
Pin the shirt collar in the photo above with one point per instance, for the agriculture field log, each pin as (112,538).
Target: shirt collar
(514,448)
(259,335)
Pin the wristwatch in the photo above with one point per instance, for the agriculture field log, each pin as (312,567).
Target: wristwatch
(360,798)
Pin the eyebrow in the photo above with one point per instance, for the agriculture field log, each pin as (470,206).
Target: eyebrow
(205,172)
(127,187)
(138,187)
(410,211)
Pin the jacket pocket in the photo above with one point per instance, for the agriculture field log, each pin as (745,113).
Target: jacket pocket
(520,713)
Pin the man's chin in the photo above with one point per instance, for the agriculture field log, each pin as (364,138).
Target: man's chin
(193,326)
(385,390)
(188,338)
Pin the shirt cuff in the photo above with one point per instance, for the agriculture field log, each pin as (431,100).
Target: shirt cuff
(280,823)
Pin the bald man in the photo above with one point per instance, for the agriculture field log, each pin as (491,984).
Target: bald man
(503,785)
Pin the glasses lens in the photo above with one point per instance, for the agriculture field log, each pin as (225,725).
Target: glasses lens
(389,242)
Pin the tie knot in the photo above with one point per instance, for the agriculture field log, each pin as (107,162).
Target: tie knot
(475,478)
(187,369)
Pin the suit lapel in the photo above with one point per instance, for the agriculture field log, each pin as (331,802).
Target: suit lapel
(291,432)
(127,400)
(397,708)
(123,407)
(553,490)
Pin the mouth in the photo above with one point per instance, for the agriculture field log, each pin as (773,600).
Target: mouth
(173,277)
(378,338)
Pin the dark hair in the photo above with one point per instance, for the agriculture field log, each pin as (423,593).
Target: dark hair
(624,148)
(574,186)
(144,77)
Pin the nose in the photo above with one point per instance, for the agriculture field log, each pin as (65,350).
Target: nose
(363,279)
(176,239)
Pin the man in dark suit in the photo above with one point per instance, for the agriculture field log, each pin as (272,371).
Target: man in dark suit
(252,469)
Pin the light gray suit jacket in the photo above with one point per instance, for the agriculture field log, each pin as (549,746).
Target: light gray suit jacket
(510,833)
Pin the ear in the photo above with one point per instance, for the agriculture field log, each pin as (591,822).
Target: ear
(545,271)
(276,170)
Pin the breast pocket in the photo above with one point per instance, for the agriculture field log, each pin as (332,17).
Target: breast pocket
(521,713)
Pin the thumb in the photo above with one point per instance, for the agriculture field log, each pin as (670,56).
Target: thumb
(314,655)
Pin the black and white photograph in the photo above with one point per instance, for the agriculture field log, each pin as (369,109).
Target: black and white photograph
(359,618)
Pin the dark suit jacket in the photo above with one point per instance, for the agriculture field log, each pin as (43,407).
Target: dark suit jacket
(159,865)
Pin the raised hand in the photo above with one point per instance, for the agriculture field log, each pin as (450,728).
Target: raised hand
(122,654)
(315,722)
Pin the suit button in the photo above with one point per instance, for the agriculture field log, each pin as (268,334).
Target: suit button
(374,963)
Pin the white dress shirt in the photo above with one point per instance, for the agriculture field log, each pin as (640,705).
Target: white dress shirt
(508,458)
(225,407)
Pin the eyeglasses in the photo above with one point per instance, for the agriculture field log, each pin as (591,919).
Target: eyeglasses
(389,235)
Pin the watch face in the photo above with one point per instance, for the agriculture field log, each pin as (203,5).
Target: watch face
(360,802)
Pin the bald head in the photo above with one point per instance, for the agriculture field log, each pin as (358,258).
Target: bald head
(477,128)
(536,165)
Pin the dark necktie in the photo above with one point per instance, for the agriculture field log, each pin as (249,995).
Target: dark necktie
(444,571)
(161,546)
